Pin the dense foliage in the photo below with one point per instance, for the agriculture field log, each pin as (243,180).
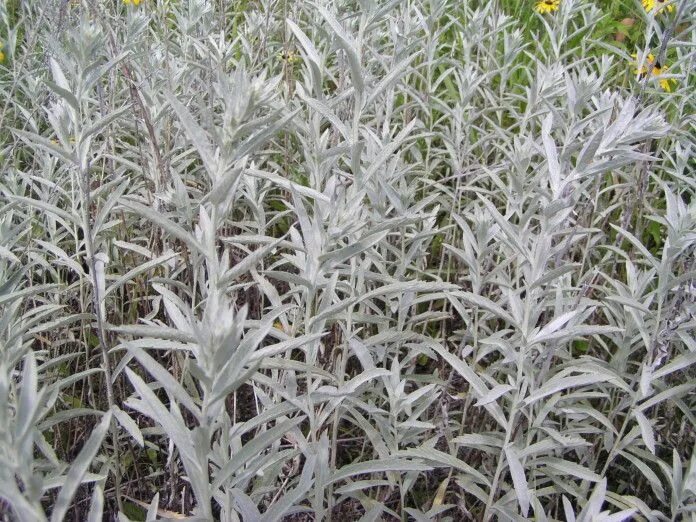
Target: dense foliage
(374,260)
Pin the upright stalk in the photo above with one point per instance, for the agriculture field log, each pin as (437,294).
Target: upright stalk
(101,334)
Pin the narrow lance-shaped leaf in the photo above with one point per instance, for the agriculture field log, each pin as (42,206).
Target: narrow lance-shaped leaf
(519,480)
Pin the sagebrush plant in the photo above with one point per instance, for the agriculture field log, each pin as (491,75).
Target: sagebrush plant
(400,260)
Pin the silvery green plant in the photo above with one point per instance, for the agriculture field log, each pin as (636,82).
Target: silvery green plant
(419,260)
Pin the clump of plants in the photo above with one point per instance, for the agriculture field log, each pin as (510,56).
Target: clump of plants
(270,260)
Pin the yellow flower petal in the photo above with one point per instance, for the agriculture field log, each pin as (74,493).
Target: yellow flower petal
(658,69)
(547,6)
(658,5)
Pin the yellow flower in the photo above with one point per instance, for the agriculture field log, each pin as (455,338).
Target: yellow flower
(657,5)
(547,6)
(2,55)
(291,57)
(657,70)
(129,2)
